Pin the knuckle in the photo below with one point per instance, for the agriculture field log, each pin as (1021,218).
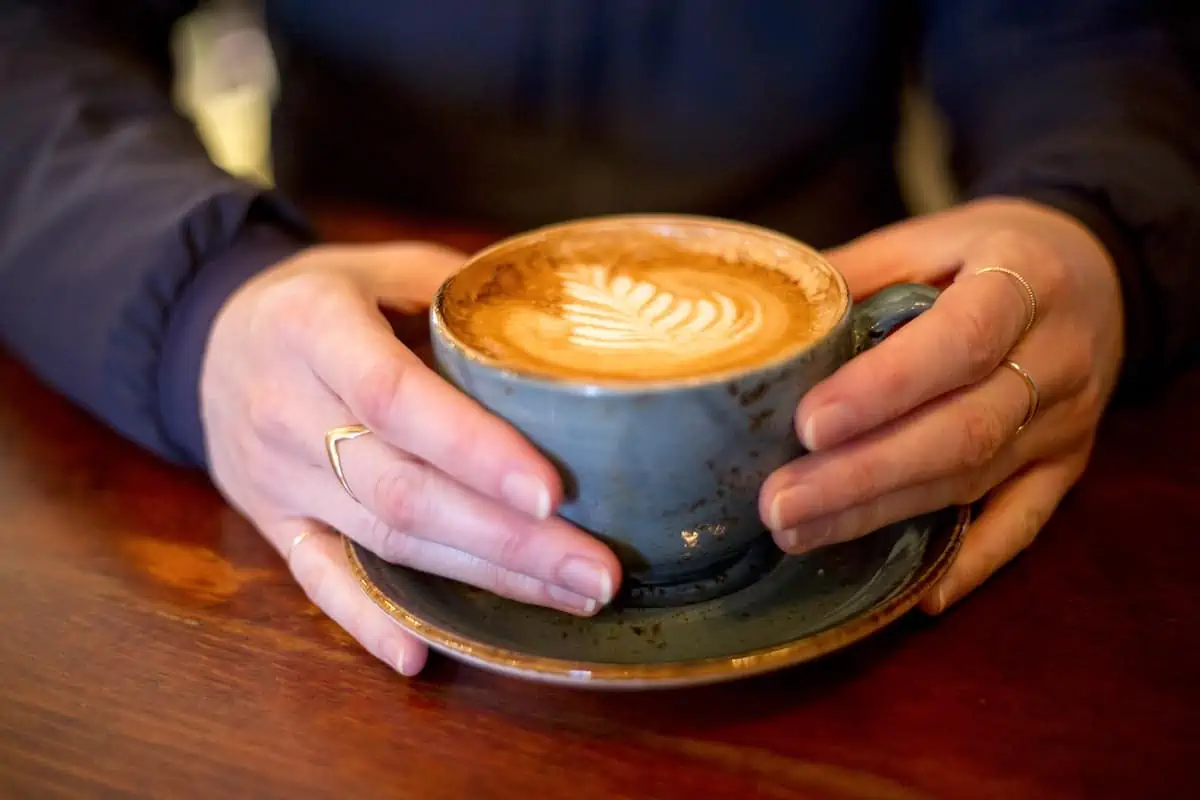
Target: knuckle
(1007,242)
(510,548)
(300,304)
(861,480)
(376,396)
(1053,275)
(973,337)
(265,417)
(1011,247)
(400,496)
(1076,373)
(390,544)
(982,435)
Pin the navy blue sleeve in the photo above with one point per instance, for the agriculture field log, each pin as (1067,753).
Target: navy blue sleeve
(119,238)
(1085,106)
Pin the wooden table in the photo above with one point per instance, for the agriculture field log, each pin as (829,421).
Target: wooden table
(151,645)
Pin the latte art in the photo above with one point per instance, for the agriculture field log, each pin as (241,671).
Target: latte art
(639,304)
(616,312)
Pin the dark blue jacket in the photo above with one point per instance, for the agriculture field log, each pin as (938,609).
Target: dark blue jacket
(119,240)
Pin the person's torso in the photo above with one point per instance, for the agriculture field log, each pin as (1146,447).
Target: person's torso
(528,111)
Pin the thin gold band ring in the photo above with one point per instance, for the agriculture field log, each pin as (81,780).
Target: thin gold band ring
(1034,395)
(1029,294)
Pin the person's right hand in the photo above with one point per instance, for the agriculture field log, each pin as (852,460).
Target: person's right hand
(442,486)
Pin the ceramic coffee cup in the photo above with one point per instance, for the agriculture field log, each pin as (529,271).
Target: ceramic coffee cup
(668,472)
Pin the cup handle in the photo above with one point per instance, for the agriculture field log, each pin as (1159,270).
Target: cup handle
(883,312)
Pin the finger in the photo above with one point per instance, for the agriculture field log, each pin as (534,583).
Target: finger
(958,433)
(389,390)
(428,556)
(878,512)
(1012,519)
(318,562)
(977,320)
(405,498)
(959,341)
(402,502)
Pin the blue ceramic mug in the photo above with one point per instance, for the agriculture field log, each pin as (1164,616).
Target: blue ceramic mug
(668,473)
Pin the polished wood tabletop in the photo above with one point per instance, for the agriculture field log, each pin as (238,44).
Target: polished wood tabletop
(152,645)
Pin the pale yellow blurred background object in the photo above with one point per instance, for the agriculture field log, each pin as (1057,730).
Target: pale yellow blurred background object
(225,82)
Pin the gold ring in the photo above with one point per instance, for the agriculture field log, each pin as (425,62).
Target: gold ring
(1024,285)
(1034,395)
(332,439)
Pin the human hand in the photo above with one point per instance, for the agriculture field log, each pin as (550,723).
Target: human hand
(929,418)
(442,486)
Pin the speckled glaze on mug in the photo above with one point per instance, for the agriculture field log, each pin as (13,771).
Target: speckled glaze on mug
(668,473)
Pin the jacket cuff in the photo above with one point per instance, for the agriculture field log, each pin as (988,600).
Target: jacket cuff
(257,247)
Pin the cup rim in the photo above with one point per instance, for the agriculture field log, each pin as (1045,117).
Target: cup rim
(439,330)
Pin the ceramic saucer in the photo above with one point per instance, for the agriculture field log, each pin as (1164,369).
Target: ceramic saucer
(805,607)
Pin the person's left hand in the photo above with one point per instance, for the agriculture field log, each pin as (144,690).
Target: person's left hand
(929,418)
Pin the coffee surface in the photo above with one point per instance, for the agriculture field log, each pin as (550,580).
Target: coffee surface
(640,303)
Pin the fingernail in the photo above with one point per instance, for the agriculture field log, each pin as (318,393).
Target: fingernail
(792,505)
(827,425)
(586,577)
(940,596)
(788,539)
(803,538)
(526,493)
(570,600)
(399,658)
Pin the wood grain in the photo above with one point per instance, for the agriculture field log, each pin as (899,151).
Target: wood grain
(151,645)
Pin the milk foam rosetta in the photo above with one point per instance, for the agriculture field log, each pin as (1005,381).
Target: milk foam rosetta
(605,311)
(634,305)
